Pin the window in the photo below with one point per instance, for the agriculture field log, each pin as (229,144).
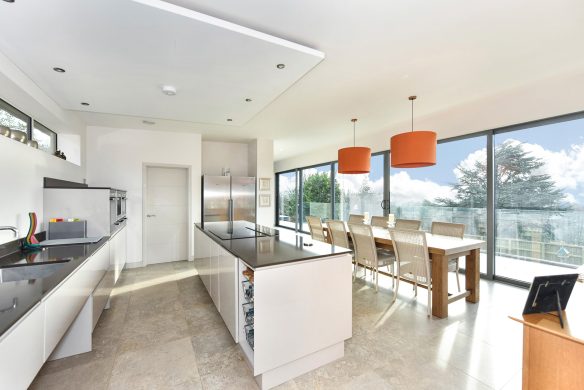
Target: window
(46,138)
(287,199)
(316,193)
(454,190)
(360,194)
(539,200)
(13,118)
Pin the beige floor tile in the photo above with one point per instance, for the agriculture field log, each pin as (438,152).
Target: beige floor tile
(163,366)
(91,375)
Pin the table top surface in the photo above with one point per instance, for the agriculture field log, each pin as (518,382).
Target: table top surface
(438,244)
(573,318)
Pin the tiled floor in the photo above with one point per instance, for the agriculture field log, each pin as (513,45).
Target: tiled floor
(163,332)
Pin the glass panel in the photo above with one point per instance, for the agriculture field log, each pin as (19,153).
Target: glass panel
(46,138)
(316,193)
(454,190)
(12,118)
(287,198)
(539,220)
(360,194)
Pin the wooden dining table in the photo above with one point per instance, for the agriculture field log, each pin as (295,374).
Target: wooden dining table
(441,250)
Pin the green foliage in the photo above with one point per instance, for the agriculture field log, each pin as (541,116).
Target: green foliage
(315,189)
(519,184)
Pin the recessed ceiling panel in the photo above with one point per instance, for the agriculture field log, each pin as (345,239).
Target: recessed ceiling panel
(118,55)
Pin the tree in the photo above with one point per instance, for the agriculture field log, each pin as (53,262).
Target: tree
(316,188)
(518,184)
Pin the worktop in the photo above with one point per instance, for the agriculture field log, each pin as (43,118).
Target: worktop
(30,292)
(281,247)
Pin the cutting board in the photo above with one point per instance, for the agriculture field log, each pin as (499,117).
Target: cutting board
(70,241)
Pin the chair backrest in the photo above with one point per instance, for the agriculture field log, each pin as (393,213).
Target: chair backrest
(363,244)
(356,218)
(410,224)
(448,229)
(316,229)
(378,221)
(411,253)
(338,233)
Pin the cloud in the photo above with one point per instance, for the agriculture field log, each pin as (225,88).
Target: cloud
(405,190)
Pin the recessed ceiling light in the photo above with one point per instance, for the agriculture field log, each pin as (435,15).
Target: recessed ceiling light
(84,104)
(169,90)
(58,70)
(280,66)
(229,120)
(248,100)
(147,122)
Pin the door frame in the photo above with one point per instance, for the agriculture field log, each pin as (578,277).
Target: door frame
(190,238)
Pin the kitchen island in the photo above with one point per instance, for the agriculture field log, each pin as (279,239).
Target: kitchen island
(286,300)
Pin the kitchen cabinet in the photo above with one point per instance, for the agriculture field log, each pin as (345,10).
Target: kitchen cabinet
(202,256)
(227,275)
(22,350)
(66,301)
(118,251)
(214,274)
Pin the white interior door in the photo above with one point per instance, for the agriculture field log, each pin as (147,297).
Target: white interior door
(166,214)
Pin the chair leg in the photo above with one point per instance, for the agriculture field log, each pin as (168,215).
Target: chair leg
(457,276)
(376,279)
(415,286)
(429,301)
(355,271)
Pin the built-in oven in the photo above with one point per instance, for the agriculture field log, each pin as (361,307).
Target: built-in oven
(113,208)
(117,209)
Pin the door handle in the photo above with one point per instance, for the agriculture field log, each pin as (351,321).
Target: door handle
(150,215)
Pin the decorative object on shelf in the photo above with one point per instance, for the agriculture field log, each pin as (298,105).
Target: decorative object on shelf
(5,131)
(60,154)
(265,200)
(355,159)
(30,242)
(413,149)
(265,184)
(33,144)
(18,135)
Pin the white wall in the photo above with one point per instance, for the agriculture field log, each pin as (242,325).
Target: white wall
(21,177)
(22,167)
(547,98)
(261,163)
(219,155)
(116,158)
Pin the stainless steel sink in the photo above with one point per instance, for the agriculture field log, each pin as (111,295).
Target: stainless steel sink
(32,271)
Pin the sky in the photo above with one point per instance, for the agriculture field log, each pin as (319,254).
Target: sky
(560,145)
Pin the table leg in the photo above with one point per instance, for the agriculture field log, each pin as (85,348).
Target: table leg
(439,286)
(472,275)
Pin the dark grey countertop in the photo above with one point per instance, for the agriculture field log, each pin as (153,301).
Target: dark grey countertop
(265,251)
(27,293)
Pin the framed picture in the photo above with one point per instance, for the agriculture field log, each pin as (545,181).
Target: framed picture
(265,200)
(265,183)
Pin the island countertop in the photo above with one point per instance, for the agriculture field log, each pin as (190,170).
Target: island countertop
(259,250)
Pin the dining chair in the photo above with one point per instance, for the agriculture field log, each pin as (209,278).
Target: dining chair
(450,230)
(411,224)
(338,233)
(316,229)
(413,260)
(379,221)
(367,255)
(356,218)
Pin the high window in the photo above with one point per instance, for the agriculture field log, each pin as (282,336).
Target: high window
(13,118)
(45,137)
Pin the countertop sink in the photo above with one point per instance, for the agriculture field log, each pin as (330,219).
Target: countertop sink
(30,271)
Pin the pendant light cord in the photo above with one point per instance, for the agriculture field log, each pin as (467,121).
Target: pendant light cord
(412,115)
(354,120)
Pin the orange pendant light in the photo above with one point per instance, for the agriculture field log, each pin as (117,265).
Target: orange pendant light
(414,149)
(355,159)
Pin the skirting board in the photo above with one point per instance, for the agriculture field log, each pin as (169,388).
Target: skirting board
(294,369)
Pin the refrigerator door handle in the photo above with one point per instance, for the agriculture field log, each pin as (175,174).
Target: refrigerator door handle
(230,209)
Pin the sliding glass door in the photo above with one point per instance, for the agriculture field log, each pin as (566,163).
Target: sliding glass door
(454,190)
(287,206)
(360,194)
(539,200)
(316,193)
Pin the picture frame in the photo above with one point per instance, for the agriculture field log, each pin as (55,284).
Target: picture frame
(265,184)
(265,200)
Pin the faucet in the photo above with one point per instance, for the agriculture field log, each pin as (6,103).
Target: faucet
(15,230)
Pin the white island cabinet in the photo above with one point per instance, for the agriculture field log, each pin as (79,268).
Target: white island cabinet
(293,314)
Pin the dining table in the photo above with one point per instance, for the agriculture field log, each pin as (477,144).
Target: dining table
(442,249)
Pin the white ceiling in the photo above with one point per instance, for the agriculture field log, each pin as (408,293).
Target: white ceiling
(378,52)
(119,53)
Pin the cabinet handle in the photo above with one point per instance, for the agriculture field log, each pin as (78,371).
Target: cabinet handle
(14,304)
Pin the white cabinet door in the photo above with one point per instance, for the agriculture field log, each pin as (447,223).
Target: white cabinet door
(121,252)
(113,256)
(22,351)
(202,257)
(214,274)
(228,290)
(63,304)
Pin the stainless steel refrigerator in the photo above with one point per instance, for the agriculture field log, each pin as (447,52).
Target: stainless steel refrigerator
(228,198)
